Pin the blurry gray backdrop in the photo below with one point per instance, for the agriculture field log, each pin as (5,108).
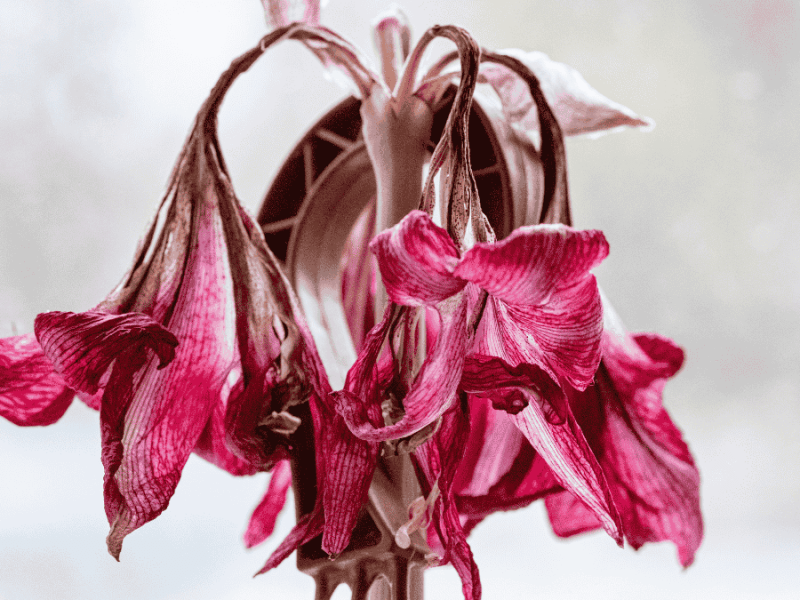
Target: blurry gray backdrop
(701,213)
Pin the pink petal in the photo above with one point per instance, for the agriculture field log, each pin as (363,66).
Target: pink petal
(262,522)
(509,388)
(416,259)
(653,478)
(307,528)
(82,346)
(432,392)
(572,462)
(438,460)
(544,307)
(212,445)
(577,106)
(31,392)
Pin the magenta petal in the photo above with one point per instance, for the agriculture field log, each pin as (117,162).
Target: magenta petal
(31,392)
(509,388)
(574,466)
(431,394)
(438,460)
(649,468)
(82,346)
(212,443)
(308,527)
(416,259)
(544,307)
(262,522)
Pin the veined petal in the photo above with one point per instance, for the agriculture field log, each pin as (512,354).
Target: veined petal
(416,259)
(82,346)
(509,388)
(432,392)
(578,107)
(544,306)
(31,392)
(491,448)
(651,473)
(572,462)
(535,265)
(262,522)
(438,460)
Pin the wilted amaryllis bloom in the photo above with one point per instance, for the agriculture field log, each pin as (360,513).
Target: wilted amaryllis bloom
(201,347)
(515,371)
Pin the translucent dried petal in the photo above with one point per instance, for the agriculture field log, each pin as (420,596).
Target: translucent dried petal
(578,107)
(649,468)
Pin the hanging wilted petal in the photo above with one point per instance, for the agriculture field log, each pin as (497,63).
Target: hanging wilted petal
(649,468)
(438,460)
(262,522)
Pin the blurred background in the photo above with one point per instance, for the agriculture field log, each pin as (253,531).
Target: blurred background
(702,214)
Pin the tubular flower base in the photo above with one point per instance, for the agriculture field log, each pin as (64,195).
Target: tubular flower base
(493,363)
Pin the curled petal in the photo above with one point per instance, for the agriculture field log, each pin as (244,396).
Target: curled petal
(82,346)
(262,522)
(534,265)
(430,395)
(651,473)
(509,388)
(31,392)
(416,259)
(544,307)
(572,462)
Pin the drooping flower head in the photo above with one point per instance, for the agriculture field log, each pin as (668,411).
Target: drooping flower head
(487,360)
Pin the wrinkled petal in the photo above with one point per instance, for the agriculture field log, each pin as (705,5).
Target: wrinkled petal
(262,522)
(577,106)
(509,388)
(653,478)
(544,306)
(416,259)
(572,462)
(431,394)
(31,392)
(438,460)
(82,346)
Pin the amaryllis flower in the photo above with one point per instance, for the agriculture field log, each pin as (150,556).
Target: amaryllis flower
(201,347)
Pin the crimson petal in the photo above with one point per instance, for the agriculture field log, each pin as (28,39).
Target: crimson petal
(31,392)
(650,470)
(544,305)
(417,259)
(82,346)
(572,462)
(438,460)
(262,522)
(506,386)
